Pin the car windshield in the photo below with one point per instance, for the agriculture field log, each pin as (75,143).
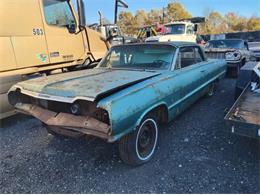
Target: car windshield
(175,29)
(237,44)
(149,56)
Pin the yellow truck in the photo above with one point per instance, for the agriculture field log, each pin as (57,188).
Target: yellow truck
(39,36)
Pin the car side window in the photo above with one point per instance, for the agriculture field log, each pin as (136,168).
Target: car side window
(198,55)
(186,57)
(58,13)
(189,29)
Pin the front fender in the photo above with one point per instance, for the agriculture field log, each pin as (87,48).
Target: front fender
(118,133)
(127,108)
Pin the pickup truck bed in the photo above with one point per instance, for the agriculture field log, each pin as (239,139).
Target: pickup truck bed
(244,116)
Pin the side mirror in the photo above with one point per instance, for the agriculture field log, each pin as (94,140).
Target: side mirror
(71,28)
(195,27)
(113,32)
(81,12)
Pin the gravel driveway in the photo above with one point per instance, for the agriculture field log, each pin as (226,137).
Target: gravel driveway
(195,154)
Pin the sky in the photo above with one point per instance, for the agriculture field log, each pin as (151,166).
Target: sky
(195,7)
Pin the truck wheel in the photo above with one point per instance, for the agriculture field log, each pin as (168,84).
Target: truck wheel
(138,147)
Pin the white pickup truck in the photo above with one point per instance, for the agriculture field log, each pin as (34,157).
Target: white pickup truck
(180,30)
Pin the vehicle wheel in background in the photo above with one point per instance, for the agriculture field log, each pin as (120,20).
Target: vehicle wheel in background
(138,147)
(72,68)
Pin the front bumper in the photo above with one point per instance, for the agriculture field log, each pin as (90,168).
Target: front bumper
(64,121)
(233,64)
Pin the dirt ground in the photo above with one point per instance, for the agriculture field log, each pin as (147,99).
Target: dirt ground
(196,154)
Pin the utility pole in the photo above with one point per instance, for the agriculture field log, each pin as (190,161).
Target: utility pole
(163,15)
(119,3)
(116,9)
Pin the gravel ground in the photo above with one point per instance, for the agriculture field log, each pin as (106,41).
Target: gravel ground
(196,154)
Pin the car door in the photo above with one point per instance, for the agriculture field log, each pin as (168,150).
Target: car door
(191,70)
(60,25)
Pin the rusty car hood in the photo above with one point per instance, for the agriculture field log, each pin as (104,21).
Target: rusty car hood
(87,84)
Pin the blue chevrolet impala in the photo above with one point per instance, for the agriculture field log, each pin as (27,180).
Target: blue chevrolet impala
(132,91)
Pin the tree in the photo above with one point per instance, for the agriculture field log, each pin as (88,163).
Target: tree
(127,23)
(253,23)
(236,22)
(141,18)
(231,20)
(155,16)
(241,24)
(176,11)
(215,22)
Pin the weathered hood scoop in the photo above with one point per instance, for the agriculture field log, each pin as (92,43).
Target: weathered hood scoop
(92,84)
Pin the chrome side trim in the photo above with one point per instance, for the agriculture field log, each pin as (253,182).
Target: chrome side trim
(54,98)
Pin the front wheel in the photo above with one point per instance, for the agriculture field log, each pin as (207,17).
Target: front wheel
(138,147)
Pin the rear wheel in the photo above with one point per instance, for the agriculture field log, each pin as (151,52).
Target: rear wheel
(211,89)
(138,147)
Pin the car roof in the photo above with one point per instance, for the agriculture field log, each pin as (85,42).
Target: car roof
(174,43)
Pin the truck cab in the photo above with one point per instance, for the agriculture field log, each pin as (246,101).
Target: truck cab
(177,31)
